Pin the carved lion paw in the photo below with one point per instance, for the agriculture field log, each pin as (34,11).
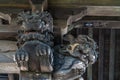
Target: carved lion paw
(44,52)
(21,57)
(43,49)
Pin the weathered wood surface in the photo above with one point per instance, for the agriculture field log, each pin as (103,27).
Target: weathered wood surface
(6,46)
(64,13)
(63,3)
(8,31)
(84,2)
(7,51)
(103,10)
(9,28)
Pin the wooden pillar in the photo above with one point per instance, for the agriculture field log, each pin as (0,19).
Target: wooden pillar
(10,77)
(101,53)
(112,55)
(89,69)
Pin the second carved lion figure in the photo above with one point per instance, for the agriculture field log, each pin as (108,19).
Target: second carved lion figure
(38,57)
(72,58)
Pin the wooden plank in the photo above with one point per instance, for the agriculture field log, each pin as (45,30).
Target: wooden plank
(8,68)
(13,5)
(7,51)
(103,10)
(112,55)
(64,13)
(8,31)
(74,3)
(99,24)
(9,28)
(6,46)
(62,3)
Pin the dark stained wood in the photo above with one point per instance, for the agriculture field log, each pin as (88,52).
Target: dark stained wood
(101,52)
(19,6)
(66,3)
(77,3)
(112,55)
(65,12)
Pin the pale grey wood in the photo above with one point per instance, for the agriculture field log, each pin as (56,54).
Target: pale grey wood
(6,46)
(9,28)
(7,52)
(7,64)
(8,68)
(103,10)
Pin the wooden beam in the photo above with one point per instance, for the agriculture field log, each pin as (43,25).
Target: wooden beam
(9,28)
(13,5)
(74,3)
(7,46)
(8,31)
(103,10)
(64,13)
(8,68)
(99,24)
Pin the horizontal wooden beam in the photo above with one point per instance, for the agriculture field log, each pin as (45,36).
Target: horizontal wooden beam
(13,5)
(73,3)
(8,68)
(6,46)
(9,28)
(103,10)
(69,2)
(103,25)
(8,31)
(64,13)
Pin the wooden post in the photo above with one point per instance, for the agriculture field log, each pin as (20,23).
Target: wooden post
(101,52)
(89,70)
(10,77)
(112,55)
